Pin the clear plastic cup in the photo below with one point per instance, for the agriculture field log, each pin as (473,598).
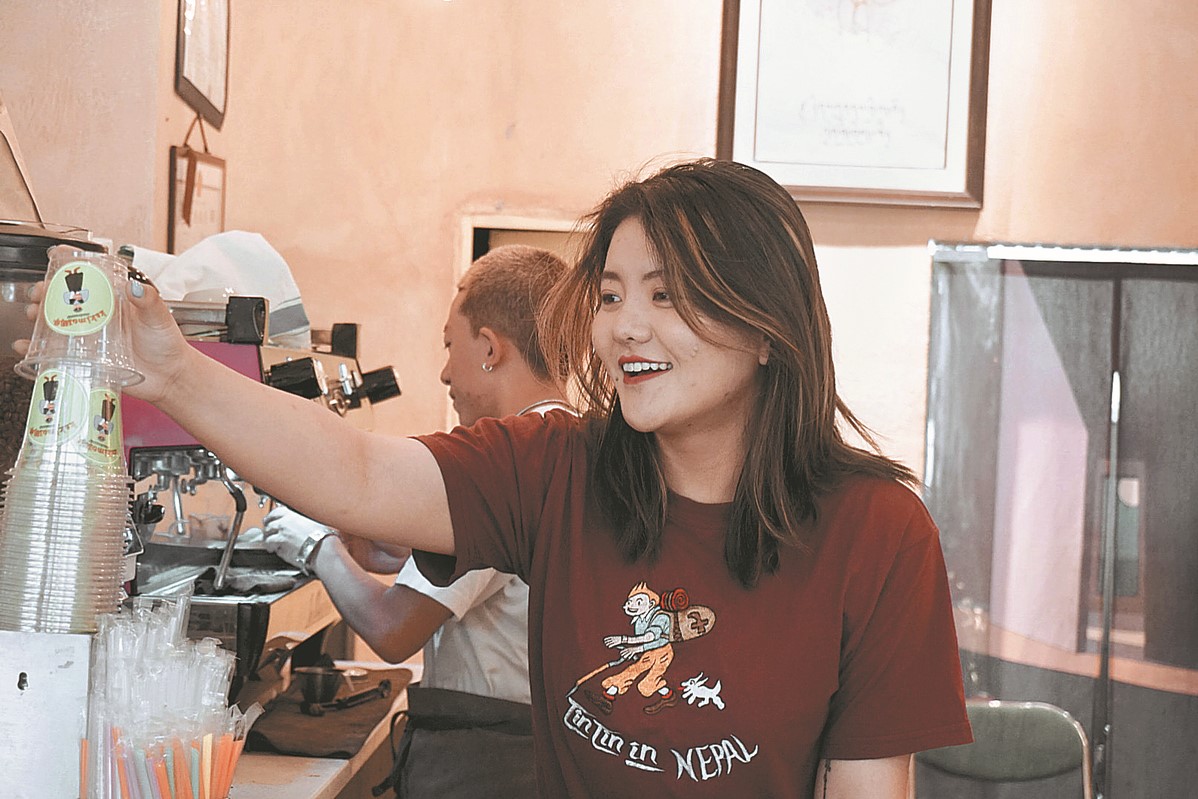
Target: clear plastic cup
(66,499)
(73,421)
(41,598)
(58,504)
(62,540)
(82,318)
(95,560)
(63,554)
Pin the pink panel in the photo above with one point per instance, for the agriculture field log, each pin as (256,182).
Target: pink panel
(146,426)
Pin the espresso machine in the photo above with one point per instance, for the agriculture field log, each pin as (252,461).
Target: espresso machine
(196,524)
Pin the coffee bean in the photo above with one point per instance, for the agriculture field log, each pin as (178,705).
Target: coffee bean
(15,392)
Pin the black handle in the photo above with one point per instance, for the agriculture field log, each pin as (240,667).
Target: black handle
(380,384)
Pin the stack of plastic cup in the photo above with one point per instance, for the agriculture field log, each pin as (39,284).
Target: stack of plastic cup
(66,500)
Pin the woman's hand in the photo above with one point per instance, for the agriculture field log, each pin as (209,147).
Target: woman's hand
(387,488)
(35,294)
(158,348)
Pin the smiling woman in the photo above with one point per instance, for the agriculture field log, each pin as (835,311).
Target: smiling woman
(704,532)
(719,257)
(692,388)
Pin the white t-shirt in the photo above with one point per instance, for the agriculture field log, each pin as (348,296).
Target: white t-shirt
(483,649)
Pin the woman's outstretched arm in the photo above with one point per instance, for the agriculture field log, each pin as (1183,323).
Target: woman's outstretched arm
(385,488)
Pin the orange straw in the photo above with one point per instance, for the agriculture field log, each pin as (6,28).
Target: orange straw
(121,773)
(118,755)
(238,745)
(197,764)
(182,771)
(218,766)
(82,767)
(164,780)
(223,770)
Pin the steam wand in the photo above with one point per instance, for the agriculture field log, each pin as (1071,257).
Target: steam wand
(239,502)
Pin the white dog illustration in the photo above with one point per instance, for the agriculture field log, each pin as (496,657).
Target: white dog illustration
(696,688)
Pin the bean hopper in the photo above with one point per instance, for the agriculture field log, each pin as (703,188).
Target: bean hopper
(196,524)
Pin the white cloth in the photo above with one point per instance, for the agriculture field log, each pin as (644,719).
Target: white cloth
(233,262)
(483,649)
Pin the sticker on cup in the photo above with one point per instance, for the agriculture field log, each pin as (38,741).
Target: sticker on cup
(79,299)
(104,428)
(57,410)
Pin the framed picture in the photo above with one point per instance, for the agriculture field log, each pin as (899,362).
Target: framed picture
(197,198)
(202,57)
(874,101)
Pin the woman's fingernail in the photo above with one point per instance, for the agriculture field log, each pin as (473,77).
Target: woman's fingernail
(29,293)
(137,289)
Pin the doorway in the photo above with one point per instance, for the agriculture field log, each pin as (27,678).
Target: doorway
(1062,468)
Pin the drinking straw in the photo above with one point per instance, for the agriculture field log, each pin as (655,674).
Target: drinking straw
(218,767)
(195,772)
(168,758)
(163,729)
(143,775)
(206,766)
(82,768)
(214,788)
(226,767)
(228,778)
(182,777)
(111,789)
(238,724)
(237,747)
(130,768)
(152,776)
(123,775)
(164,783)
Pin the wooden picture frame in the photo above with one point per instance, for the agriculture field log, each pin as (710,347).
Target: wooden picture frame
(874,101)
(197,198)
(202,57)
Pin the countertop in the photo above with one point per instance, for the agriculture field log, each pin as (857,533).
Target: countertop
(262,775)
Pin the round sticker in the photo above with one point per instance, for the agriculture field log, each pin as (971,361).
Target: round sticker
(104,427)
(57,410)
(79,299)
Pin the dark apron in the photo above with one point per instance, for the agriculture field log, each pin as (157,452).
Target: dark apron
(463,745)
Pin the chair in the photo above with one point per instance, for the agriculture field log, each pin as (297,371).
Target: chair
(1016,742)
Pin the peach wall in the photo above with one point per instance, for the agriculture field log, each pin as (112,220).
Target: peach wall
(78,80)
(1093,108)
(371,134)
(358,136)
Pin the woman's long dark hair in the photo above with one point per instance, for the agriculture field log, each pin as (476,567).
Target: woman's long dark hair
(735,249)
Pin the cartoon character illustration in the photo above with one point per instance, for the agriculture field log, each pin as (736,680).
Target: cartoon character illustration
(658,622)
(103,420)
(696,689)
(76,294)
(647,651)
(49,394)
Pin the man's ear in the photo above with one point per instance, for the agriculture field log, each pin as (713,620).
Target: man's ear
(496,345)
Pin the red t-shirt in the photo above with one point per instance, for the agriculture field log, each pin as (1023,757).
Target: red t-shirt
(846,652)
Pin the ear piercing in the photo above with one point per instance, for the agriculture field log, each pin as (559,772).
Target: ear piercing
(488,368)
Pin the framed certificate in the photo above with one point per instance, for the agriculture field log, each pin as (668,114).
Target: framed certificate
(878,101)
(197,198)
